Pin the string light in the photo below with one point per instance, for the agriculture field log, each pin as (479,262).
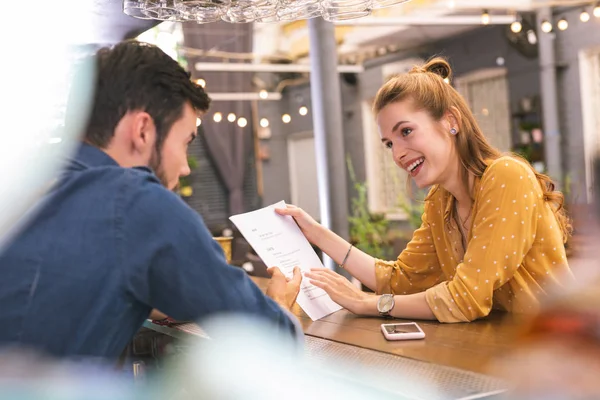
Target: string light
(231,117)
(263,94)
(516,27)
(531,36)
(242,122)
(485,17)
(584,16)
(218,117)
(286,118)
(447,80)
(264,122)
(201,82)
(597,11)
(198,122)
(303,110)
(562,24)
(546,26)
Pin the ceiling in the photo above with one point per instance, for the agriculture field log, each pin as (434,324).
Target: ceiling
(395,29)
(111,25)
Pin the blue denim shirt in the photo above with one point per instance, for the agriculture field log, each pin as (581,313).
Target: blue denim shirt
(108,245)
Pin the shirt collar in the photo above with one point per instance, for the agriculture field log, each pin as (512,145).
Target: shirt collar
(88,156)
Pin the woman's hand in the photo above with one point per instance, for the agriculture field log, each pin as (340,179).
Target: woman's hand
(342,291)
(307,224)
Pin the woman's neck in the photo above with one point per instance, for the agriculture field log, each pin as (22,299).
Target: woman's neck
(455,185)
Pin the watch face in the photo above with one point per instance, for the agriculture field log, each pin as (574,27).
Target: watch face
(385,304)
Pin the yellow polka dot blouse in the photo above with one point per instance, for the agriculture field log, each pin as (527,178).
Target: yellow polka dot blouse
(514,253)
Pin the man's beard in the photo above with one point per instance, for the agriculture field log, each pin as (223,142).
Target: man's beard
(156,166)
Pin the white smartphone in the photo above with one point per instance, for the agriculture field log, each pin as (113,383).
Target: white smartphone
(403,331)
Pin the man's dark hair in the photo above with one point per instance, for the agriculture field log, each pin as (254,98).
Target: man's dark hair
(138,76)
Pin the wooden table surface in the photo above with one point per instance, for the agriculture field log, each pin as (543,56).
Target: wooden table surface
(468,346)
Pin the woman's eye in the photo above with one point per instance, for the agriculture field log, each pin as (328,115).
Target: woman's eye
(406,131)
(388,145)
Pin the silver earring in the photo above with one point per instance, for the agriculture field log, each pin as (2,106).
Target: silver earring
(453,131)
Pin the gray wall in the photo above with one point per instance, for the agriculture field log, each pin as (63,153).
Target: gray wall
(480,48)
(579,36)
(468,52)
(276,170)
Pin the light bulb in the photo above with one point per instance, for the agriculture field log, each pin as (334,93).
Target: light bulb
(584,16)
(516,27)
(303,110)
(198,122)
(231,117)
(218,117)
(451,3)
(263,94)
(546,27)
(242,122)
(531,36)
(264,123)
(562,24)
(447,80)
(286,118)
(201,82)
(485,17)
(597,11)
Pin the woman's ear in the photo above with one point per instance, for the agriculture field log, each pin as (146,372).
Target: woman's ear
(454,118)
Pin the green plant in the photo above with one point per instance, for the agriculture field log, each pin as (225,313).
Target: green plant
(368,231)
(413,210)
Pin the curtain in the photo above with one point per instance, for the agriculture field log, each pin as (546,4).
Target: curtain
(229,146)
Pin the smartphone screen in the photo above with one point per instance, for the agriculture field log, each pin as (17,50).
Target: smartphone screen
(402,328)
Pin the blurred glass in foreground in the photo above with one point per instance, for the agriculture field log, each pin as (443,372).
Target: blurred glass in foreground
(39,57)
(558,356)
(248,361)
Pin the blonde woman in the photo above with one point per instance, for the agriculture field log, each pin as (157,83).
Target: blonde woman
(493,229)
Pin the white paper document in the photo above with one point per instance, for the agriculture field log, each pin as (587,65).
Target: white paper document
(280,243)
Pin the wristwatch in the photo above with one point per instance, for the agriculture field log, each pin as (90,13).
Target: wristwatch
(385,304)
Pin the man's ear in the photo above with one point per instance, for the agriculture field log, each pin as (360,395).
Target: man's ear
(143,132)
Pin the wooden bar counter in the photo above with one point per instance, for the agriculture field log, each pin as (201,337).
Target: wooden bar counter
(466,346)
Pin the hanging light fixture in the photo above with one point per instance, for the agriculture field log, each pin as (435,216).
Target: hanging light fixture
(562,24)
(242,122)
(231,117)
(235,11)
(584,16)
(264,123)
(263,94)
(201,82)
(198,122)
(516,27)
(596,11)
(485,17)
(286,118)
(303,110)
(531,36)
(546,26)
(218,117)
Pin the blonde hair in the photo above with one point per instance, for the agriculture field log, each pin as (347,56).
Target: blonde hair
(426,86)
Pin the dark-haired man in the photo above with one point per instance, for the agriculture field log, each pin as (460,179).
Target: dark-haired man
(112,240)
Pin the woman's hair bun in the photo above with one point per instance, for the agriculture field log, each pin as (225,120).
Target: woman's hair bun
(436,65)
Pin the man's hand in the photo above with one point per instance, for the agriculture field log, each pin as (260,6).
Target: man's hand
(284,290)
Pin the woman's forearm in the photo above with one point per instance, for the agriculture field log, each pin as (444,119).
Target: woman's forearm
(359,264)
